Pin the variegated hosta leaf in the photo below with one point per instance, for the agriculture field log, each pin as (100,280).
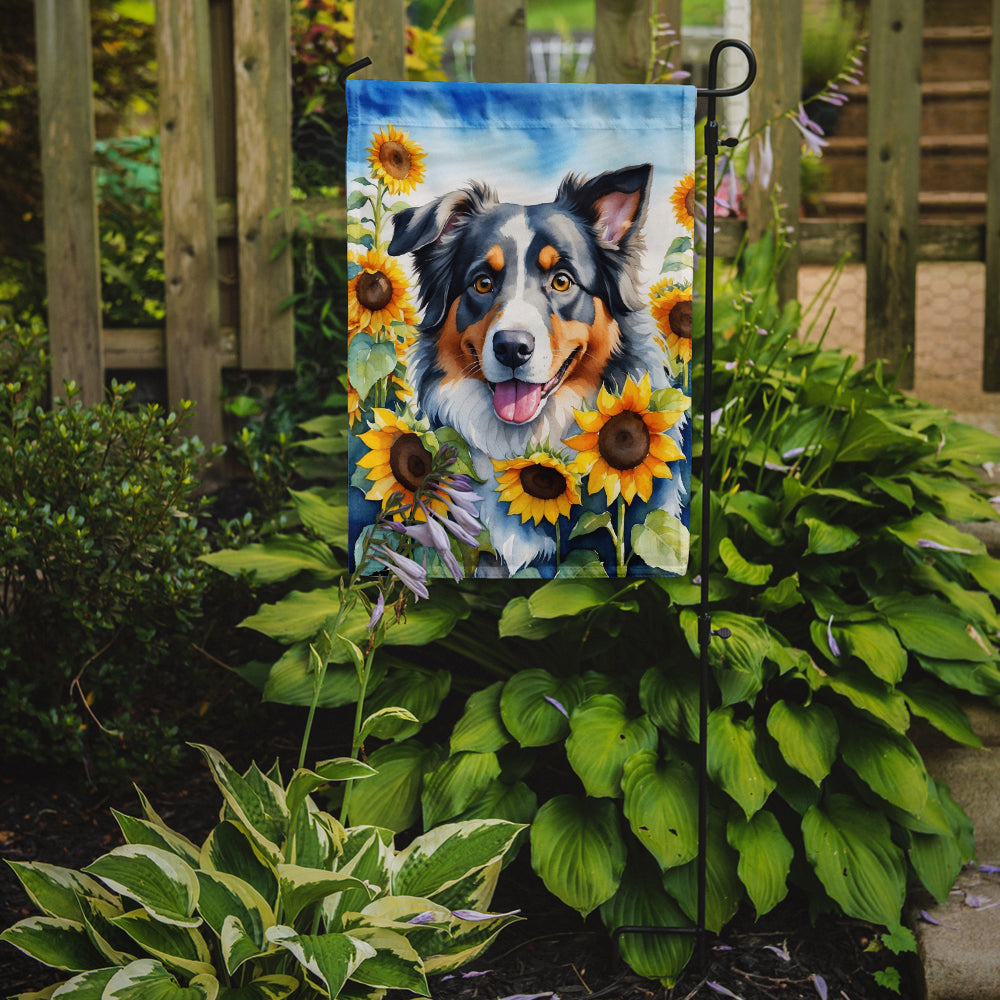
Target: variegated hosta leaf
(158,880)
(141,831)
(177,947)
(329,959)
(578,851)
(56,891)
(475,891)
(732,760)
(535,706)
(54,941)
(481,727)
(147,979)
(315,838)
(230,849)
(467,941)
(642,902)
(225,897)
(456,784)
(602,737)
(661,805)
(301,887)
(807,736)
(441,857)
(723,889)
(275,987)
(86,986)
(116,946)
(765,858)
(256,801)
(395,964)
(304,782)
(367,855)
(850,847)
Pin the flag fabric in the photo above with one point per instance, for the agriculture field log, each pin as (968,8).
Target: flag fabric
(520,271)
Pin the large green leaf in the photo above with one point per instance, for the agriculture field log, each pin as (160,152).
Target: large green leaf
(870,435)
(328,521)
(304,782)
(851,850)
(926,531)
(456,784)
(578,851)
(274,987)
(828,539)
(163,884)
(144,831)
(55,941)
(866,692)
(419,690)
(481,728)
(395,964)
(517,620)
(292,680)
(225,897)
(179,948)
(876,646)
(56,891)
(932,628)
(940,707)
(671,699)
(807,736)
(86,986)
(662,541)
(330,959)
(661,806)
(765,858)
(723,889)
(602,737)
(737,660)
(439,858)
(641,901)
(369,361)
(280,557)
(739,569)
(535,706)
(301,887)
(732,760)
(391,798)
(888,763)
(559,598)
(147,979)
(230,849)
(976,678)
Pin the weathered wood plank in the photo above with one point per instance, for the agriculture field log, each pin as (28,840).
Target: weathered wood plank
(893,184)
(144,348)
(991,331)
(776,35)
(190,253)
(501,37)
(262,62)
(622,40)
(72,256)
(380,34)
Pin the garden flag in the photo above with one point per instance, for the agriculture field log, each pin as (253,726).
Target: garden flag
(520,264)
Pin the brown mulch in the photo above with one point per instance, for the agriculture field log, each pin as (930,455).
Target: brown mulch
(550,953)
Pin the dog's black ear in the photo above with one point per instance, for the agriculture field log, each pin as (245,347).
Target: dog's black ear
(413,228)
(614,201)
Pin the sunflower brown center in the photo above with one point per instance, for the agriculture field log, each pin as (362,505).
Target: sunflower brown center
(395,159)
(680,320)
(409,461)
(542,482)
(689,202)
(624,440)
(374,291)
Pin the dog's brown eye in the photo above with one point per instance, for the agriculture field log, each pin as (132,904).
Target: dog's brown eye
(561,282)
(483,284)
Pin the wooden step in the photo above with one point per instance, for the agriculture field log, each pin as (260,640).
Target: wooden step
(956,53)
(940,13)
(958,206)
(947,162)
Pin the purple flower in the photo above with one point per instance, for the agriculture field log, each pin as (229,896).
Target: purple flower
(811,132)
(820,983)
(377,612)
(475,915)
(719,988)
(760,165)
(431,535)
(427,917)
(927,543)
(558,705)
(780,952)
(834,648)
(410,573)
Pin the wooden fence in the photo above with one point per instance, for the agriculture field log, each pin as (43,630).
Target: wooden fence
(226,162)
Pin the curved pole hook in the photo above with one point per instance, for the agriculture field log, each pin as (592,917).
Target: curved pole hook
(713,69)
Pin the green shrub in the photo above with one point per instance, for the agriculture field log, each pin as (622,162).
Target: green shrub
(101,584)
(854,604)
(279,900)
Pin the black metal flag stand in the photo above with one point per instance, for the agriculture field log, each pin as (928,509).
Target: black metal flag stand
(705,631)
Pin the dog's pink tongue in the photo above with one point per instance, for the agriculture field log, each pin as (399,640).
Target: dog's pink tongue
(515,400)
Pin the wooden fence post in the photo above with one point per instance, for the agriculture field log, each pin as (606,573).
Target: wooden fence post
(776,34)
(991,332)
(893,183)
(380,34)
(622,39)
(190,251)
(262,61)
(501,41)
(72,255)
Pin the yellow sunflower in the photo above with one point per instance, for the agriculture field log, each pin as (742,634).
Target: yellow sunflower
(397,460)
(682,201)
(623,446)
(353,405)
(671,308)
(396,160)
(378,294)
(537,486)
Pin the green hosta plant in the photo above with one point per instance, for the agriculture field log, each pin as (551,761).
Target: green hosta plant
(279,900)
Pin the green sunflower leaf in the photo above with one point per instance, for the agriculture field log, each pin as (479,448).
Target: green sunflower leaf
(369,361)
(662,541)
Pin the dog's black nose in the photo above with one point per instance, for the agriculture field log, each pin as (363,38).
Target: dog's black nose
(513,347)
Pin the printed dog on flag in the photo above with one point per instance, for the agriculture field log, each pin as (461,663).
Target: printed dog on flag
(527,311)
